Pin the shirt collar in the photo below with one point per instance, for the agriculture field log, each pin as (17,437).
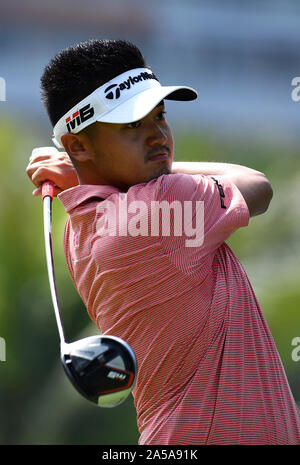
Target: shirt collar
(71,198)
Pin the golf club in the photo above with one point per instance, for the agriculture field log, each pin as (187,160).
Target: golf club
(102,368)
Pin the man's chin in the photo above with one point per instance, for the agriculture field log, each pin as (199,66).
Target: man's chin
(162,170)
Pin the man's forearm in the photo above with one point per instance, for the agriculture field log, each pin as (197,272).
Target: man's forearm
(208,168)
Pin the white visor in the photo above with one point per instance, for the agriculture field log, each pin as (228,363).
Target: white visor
(126,98)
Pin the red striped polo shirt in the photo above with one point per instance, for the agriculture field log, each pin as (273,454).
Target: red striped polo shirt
(208,368)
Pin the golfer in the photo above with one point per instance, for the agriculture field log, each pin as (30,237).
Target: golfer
(145,247)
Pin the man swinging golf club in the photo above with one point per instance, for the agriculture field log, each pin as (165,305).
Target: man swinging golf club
(209,371)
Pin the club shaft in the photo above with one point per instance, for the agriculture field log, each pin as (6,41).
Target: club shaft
(47,209)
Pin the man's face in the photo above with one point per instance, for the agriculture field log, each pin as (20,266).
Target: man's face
(129,154)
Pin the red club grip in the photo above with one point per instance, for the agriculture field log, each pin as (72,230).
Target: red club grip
(48,189)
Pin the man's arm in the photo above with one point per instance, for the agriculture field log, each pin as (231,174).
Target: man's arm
(253,185)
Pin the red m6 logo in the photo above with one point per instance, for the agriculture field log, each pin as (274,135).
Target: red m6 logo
(79,117)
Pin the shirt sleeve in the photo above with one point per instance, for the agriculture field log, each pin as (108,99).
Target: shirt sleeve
(212,209)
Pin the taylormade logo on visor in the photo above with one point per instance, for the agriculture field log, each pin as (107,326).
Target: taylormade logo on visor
(111,92)
(115,89)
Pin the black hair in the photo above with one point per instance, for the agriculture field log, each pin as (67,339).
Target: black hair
(78,70)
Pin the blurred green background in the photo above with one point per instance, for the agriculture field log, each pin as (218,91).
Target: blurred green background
(241,57)
(38,405)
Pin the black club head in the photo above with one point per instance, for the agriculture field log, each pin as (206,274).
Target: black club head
(102,368)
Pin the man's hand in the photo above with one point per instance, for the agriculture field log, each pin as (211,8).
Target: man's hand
(48,164)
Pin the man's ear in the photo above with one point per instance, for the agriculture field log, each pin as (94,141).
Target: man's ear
(77,146)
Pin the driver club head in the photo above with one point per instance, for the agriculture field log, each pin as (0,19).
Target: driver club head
(102,368)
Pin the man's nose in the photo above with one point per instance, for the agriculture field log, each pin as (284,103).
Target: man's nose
(157,134)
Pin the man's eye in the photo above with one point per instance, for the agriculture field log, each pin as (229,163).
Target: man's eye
(161,115)
(133,125)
